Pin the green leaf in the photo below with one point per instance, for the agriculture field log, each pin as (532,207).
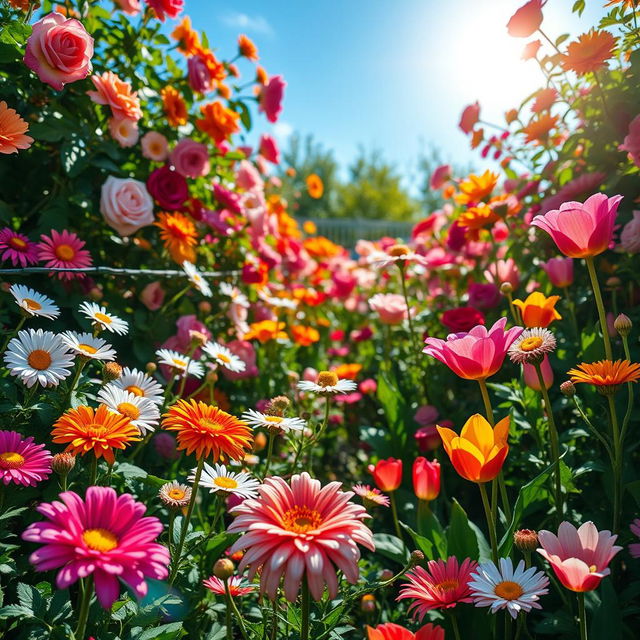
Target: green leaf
(462,541)
(163,632)
(391,547)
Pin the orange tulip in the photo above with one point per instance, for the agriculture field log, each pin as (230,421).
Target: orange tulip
(479,452)
(537,310)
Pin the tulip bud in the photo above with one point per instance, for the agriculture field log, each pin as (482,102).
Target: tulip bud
(111,371)
(506,288)
(204,307)
(623,325)
(526,540)
(63,463)
(426,479)
(388,474)
(223,569)
(259,441)
(568,389)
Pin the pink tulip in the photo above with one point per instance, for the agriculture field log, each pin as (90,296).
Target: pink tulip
(630,235)
(578,557)
(428,438)
(503,271)
(476,355)
(426,479)
(631,143)
(559,271)
(152,296)
(439,176)
(581,230)
(531,375)
(269,149)
(426,414)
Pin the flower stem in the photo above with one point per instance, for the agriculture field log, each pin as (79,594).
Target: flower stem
(231,606)
(272,437)
(627,415)
(306,607)
(572,312)
(617,463)
(85,603)
(454,626)
(93,477)
(583,617)
(487,401)
(490,522)
(394,513)
(600,305)
(23,319)
(81,365)
(318,434)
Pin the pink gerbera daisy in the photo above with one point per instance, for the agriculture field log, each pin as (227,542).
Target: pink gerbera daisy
(105,535)
(22,461)
(18,248)
(302,530)
(441,585)
(236,587)
(64,250)
(370,495)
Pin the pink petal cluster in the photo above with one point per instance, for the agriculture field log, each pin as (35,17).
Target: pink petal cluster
(302,530)
(634,549)
(271,98)
(22,461)
(64,250)
(190,158)
(390,307)
(559,271)
(475,355)
(166,8)
(631,143)
(104,535)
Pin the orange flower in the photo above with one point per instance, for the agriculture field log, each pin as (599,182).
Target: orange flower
(288,226)
(479,217)
(100,431)
(224,91)
(590,52)
(188,39)
(117,94)
(321,247)
(218,121)
(539,128)
(606,375)
(511,115)
(12,130)
(247,49)
(537,310)
(304,336)
(216,69)
(309,227)
(179,236)
(347,371)
(174,107)
(262,77)
(476,188)
(266,330)
(205,430)
(477,137)
(315,187)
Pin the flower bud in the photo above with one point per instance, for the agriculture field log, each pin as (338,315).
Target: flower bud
(151,368)
(111,371)
(223,569)
(368,603)
(416,558)
(278,405)
(526,540)
(623,325)
(204,306)
(386,574)
(506,288)
(259,441)
(211,377)
(62,463)
(198,339)
(568,389)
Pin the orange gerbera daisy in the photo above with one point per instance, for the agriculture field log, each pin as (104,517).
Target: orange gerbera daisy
(247,49)
(179,236)
(479,217)
(218,122)
(606,375)
(590,52)
(304,336)
(174,106)
(539,128)
(188,39)
(12,130)
(205,430)
(476,188)
(100,431)
(266,330)
(216,69)
(315,186)
(347,371)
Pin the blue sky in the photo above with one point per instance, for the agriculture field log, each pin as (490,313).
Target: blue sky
(388,73)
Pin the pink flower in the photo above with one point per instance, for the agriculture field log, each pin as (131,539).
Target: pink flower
(630,235)
(426,478)
(581,230)
(577,188)
(165,445)
(368,386)
(271,98)
(578,557)
(470,117)
(166,8)
(246,352)
(17,247)
(154,146)
(269,149)
(427,438)
(152,296)
(526,20)
(425,415)
(484,296)
(248,177)
(559,271)
(236,588)
(190,158)
(227,198)
(168,188)
(462,319)
(130,7)
(439,176)
(124,131)
(476,355)
(117,94)
(22,461)
(126,205)
(59,50)
(64,250)
(503,271)
(531,375)
(390,307)
(634,549)
(631,143)
(301,531)
(199,76)
(104,535)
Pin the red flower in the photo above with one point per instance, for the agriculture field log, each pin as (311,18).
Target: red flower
(388,474)
(462,319)
(168,188)
(526,20)
(470,117)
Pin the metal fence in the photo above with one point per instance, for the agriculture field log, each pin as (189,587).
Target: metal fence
(347,231)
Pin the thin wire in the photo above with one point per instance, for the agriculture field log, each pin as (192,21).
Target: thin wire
(116,271)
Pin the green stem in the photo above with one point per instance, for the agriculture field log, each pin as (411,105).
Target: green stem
(227,612)
(394,513)
(454,626)
(617,466)
(409,319)
(490,522)
(272,437)
(185,375)
(487,401)
(81,365)
(172,519)
(553,439)
(140,446)
(572,312)
(583,617)
(85,603)
(423,512)
(630,396)
(600,305)
(320,431)
(232,605)
(593,430)
(93,475)
(306,608)
(274,619)
(19,326)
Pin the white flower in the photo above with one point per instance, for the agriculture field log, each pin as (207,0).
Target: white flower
(505,588)
(224,357)
(103,319)
(86,345)
(143,412)
(257,419)
(328,382)
(196,279)
(219,478)
(34,303)
(38,356)
(397,253)
(180,362)
(237,297)
(140,384)
(277,301)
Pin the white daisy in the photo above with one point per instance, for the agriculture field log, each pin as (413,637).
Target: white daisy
(85,344)
(219,478)
(277,301)
(237,297)
(143,413)
(505,588)
(180,362)
(328,382)
(196,279)
(38,356)
(224,357)
(398,253)
(140,384)
(257,419)
(34,303)
(105,320)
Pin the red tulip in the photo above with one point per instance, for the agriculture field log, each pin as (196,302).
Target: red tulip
(426,479)
(388,474)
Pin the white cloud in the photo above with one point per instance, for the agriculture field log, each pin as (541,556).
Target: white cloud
(282,130)
(255,24)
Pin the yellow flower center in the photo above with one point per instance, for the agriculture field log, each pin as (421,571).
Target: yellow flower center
(447,585)
(130,410)
(177,494)
(100,539)
(530,344)
(179,363)
(301,519)
(17,243)
(39,359)
(101,317)
(87,347)
(398,250)
(11,460)
(210,425)
(276,419)
(508,590)
(223,358)
(32,304)
(593,568)
(327,379)
(137,391)
(65,252)
(95,430)
(225,483)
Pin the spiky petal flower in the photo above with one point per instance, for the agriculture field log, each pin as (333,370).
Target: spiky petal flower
(175,495)
(370,495)
(64,250)
(17,248)
(237,586)
(22,461)
(86,345)
(257,419)
(531,346)
(140,384)
(606,375)
(143,413)
(104,535)
(301,530)
(33,303)
(223,357)
(102,319)
(219,478)
(328,383)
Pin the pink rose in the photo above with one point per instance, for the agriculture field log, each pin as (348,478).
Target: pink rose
(271,98)
(248,177)
(269,148)
(152,296)
(631,143)
(166,8)
(154,146)
(245,351)
(126,205)
(190,158)
(391,307)
(484,296)
(59,50)
(426,415)
(199,75)
(130,7)
(168,188)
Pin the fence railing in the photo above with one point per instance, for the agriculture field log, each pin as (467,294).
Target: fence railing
(348,231)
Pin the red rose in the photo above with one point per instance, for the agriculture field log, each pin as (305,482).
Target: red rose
(462,319)
(168,188)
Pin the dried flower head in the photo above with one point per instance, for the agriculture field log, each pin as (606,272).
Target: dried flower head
(175,495)
(531,346)
(526,540)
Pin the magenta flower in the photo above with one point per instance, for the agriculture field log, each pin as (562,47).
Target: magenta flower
(64,250)
(581,230)
(475,355)
(271,98)
(22,461)
(18,248)
(104,535)
(634,549)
